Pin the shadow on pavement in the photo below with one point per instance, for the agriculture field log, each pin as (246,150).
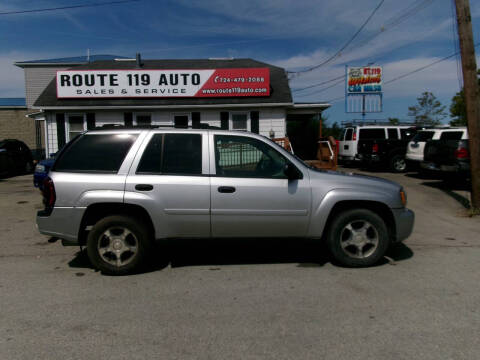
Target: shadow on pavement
(450,188)
(215,252)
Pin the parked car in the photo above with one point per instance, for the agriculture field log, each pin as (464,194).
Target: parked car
(416,146)
(41,171)
(353,133)
(447,156)
(117,191)
(15,157)
(385,147)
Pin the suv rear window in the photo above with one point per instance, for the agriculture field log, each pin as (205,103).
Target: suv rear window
(423,136)
(95,153)
(451,135)
(372,134)
(172,154)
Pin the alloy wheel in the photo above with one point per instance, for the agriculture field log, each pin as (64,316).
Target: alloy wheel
(359,239)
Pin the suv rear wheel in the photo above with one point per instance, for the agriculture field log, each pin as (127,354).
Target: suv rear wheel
(357,238)
(118,245)
(398,163)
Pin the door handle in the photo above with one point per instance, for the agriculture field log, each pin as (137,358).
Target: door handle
(143,187)
(226,189)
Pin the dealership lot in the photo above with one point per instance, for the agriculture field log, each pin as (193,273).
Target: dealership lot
(246,300)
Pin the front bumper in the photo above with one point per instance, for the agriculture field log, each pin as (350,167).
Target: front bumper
(404,221)
(63,223)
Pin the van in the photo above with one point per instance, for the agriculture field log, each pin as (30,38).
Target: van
(351,134)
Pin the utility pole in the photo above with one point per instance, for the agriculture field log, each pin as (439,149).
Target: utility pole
(472,94)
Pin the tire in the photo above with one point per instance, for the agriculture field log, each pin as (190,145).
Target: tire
(118,245)
(398,164)
(358,238)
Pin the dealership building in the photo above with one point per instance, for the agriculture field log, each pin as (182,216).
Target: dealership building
(72,95)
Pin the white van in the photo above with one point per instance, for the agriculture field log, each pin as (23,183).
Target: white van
(417,145)
(348,142)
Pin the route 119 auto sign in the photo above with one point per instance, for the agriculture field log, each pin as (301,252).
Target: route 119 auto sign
(163,83)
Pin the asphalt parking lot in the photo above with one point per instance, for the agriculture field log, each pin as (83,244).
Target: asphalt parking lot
(245,300)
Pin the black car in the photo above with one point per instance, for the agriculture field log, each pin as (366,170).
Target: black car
(15,157)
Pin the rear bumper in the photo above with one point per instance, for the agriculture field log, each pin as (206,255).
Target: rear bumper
(346,157)
(369,158)
(404,221)
(460,166)
(63,223)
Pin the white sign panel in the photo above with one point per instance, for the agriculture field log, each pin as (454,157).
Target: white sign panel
(163,83)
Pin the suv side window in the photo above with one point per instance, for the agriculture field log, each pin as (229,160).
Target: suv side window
(407,133)
(392,133)
(372,133)
(172,154)
(244,157)
(102,153)
(451,135)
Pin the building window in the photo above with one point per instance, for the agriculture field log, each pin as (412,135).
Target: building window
(143,119)
(240,122)
(76,125)
(181,120)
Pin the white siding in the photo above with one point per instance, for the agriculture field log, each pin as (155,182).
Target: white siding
(36,80)
(272,118)
(108,117)
(210,117)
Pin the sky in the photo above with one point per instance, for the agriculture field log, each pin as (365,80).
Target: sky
(401,36)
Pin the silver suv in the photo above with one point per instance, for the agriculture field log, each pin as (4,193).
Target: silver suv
(118,191)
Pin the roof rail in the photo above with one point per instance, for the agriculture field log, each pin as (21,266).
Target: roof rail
(375,122)
(128,127)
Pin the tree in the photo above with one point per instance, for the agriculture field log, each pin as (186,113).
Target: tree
(335,130)
(394,121)
(458,111)
(428,111)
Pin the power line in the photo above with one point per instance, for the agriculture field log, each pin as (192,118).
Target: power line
(389,24)
(67,7)
(323,89)
(413,71)
(345,45)
(319,84)
(398,19)
(426,66)
(455,44)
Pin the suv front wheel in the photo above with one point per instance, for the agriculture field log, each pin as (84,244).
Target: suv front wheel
(357,238)
(118,245)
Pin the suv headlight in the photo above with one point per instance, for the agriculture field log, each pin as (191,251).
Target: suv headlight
(403,197)
(40,168)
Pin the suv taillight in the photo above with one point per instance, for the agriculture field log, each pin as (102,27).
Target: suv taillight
(461,153)
(48,192)
(354,136)
(375,148)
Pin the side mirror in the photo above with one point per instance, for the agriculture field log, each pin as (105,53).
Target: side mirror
(291,172)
